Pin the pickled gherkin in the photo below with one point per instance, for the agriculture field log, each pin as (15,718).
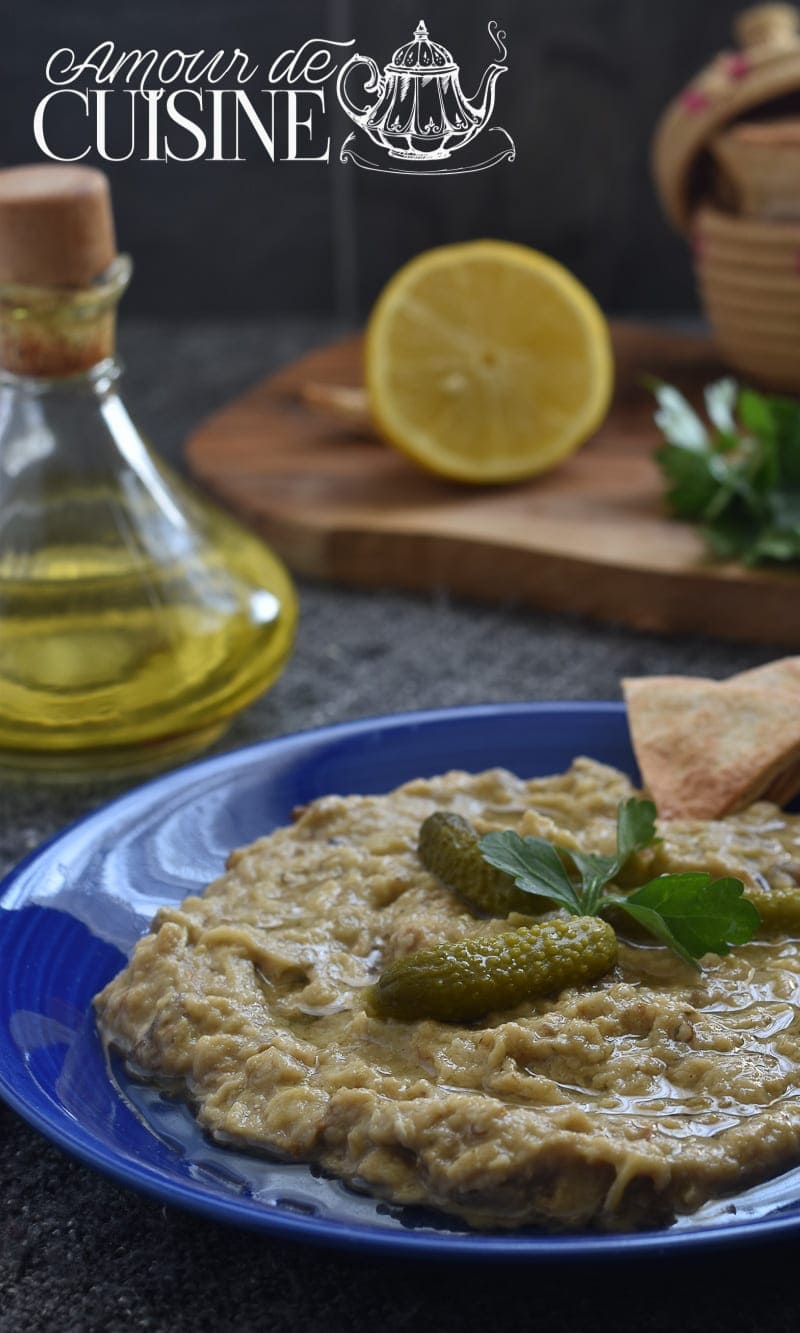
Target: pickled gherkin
(465,980)
(450,849)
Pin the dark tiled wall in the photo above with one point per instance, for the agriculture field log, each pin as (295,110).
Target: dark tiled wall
(586,81)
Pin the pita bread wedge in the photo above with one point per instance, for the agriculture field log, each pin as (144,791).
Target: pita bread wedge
(782,675)
(785,787)
(708,748)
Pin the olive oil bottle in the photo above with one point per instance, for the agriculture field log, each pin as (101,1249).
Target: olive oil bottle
(135,618)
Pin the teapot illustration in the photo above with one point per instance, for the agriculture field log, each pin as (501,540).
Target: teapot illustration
(420,112)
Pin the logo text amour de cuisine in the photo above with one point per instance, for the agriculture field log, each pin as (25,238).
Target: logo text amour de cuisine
(222,106)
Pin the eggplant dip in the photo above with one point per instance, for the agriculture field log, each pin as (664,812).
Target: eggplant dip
(339,997)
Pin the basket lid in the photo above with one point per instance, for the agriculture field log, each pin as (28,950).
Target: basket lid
(422,55)
(764,68)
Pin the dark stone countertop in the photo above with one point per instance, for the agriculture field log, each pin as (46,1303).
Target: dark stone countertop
(78,1252)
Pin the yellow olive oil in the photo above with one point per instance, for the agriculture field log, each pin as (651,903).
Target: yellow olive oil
(113,665)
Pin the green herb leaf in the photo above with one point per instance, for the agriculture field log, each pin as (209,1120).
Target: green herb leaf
(690,477)
(677,420)
(696,915)
(636,828)
(721,405)
(755,413)
(534,865)
(595,872)
(741,479)
(691,913)
(652,922)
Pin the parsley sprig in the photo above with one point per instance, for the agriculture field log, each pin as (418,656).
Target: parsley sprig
(739,477)
(692,913)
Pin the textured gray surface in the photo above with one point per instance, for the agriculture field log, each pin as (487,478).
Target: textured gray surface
(77,1252)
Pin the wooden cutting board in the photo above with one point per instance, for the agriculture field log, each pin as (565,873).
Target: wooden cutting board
(591,537)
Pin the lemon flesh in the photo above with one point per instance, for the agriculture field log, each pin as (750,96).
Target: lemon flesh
(487,362)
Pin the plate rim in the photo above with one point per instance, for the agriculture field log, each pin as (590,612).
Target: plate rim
(139,1176)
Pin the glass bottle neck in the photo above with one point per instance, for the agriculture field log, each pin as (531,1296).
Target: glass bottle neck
(95,382)
(49,334)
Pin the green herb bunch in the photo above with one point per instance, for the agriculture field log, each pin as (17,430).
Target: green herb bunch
(739,477)
(691,913)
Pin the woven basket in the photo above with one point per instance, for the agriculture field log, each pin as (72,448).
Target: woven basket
(726,159)
(748,273)
(759,169)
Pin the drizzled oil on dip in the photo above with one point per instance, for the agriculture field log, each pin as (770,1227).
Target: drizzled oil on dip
(617,1105)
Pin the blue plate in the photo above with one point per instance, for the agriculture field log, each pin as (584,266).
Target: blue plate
(72,911)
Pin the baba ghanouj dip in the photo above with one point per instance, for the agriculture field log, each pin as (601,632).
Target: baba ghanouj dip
(520,1002)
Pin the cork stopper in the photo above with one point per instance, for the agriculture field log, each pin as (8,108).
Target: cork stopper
(60,274)
(768,25)
(56,225)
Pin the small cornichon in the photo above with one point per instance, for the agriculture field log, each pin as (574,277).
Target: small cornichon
(450,849)
(458,982)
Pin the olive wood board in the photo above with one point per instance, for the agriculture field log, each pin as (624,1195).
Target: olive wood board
(592,537)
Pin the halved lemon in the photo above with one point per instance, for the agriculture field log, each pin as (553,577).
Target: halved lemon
(487,362)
